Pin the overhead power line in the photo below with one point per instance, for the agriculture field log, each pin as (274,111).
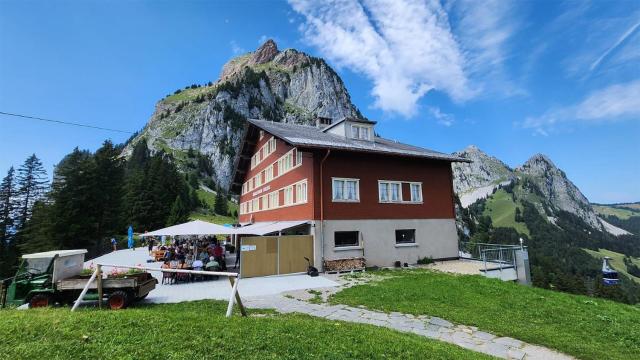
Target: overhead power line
(65,122)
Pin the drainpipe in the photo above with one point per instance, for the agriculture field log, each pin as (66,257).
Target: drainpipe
(322,207)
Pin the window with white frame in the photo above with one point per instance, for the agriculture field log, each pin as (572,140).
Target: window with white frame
(416,192)
(406,236)
(390,191)
(298,157)
(346,238)
(346,189)
(274,200)
(255,205)
(268,174)
(288,195)
(360,132)
(301,192)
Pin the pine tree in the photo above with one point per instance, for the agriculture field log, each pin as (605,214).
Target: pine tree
(8,207)
(108,184)
(8,254)
(178,214)
(32,180)
(221,207)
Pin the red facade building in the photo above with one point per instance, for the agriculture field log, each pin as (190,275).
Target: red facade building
(358,194)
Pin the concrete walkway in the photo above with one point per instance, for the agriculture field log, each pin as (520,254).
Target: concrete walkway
(468,337)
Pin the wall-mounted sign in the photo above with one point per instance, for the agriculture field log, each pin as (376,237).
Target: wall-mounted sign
(258,192)
(247,247)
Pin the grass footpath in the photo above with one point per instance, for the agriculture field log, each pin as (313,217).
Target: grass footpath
(199,330)
(585,327)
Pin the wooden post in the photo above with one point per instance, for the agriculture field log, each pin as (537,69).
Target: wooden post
(99,283)
(243,311)
(84,291)
(234,291)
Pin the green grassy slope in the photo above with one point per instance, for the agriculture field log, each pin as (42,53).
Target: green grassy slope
(616,260)
(209,198)
(502,210)
(618,211)
(199,330)
(584,327)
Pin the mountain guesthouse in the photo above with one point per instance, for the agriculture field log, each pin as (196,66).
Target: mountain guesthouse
(342,196)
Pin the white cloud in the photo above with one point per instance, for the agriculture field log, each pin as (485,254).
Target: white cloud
(615,45)
(442,118)
(408,47)
(615,102)
(236,49)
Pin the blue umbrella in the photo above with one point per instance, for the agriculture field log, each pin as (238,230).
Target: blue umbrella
(130,232)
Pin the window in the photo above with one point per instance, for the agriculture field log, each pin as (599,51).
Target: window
(346,238)
(360,132)
(406,236)
(268,175)
(346,189)
(389,191)
(298,158)
(416,192)
(288,195)
(301,192)
(261,134)
(274,200)
(255,204)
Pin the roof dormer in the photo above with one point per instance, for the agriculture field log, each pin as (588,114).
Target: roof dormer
(353,128)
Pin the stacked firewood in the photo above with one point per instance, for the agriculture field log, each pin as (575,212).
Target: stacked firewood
(344,264)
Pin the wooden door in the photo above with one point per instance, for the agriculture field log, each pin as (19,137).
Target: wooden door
(259,256)
(292,252)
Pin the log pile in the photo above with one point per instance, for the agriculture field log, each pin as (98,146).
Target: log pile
(344,264)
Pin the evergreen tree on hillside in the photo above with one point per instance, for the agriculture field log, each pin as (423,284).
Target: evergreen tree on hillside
(179,213)
(36,235)
(31,180)
(8,206)
(109,179)
(221,207)
(8,255)
(75,200)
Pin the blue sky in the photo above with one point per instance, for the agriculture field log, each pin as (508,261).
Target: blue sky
(514,78)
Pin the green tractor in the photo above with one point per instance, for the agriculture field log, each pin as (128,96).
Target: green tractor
(46,278)
(34,281)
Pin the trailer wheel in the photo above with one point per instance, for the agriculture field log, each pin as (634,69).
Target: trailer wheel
(40,300)
(118,300)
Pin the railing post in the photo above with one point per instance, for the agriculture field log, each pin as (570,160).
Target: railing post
(84,291)
(232,297)
(99,283)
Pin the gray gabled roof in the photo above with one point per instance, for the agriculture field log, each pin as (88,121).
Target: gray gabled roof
(313,137)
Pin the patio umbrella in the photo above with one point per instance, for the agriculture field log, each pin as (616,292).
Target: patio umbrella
(130,233)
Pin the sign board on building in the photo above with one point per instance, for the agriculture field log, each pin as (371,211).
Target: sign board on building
(247,248)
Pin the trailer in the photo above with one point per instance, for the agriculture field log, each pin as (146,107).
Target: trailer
(54,277)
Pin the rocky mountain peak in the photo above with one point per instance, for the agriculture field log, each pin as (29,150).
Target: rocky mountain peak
(477,179)
(540,160)
(265,53)
(268,84)
(557,188)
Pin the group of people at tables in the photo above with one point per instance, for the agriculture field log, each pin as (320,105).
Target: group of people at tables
(207,254)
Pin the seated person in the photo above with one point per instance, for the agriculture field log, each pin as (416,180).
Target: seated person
(218,254)
(212,265)
(197,265)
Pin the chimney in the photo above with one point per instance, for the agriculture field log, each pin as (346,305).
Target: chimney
(323,122)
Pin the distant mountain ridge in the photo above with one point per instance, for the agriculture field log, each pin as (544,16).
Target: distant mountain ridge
(269,84)
(552,192)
